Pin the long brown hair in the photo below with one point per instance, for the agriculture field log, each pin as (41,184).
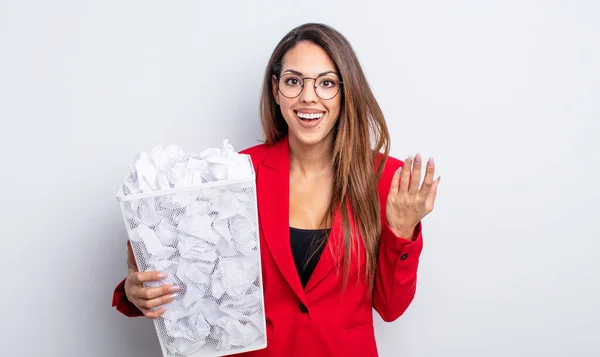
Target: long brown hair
(360,134)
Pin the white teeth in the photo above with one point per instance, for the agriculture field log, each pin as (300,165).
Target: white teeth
(310,116)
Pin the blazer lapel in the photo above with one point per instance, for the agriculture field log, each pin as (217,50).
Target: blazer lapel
(273,183)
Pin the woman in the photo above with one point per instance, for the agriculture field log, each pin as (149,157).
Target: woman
(339,219)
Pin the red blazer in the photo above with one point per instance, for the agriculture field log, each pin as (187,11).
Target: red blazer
(320,320)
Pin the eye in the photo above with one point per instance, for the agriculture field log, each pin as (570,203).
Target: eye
(292,81)
(328,83)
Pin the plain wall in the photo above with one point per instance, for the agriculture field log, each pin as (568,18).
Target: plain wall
(504,94)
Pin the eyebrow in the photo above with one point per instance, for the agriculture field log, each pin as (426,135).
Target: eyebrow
(293,71)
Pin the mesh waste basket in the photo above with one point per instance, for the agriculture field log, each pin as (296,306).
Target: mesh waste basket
(206,239)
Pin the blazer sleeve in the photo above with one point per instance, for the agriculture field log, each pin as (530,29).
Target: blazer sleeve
(122,304)
(396,275)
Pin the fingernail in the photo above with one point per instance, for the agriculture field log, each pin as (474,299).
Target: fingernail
(172,297)
(173,289)
(418,159)
(162,275)
(430,161)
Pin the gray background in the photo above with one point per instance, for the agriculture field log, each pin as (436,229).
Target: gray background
(504,94)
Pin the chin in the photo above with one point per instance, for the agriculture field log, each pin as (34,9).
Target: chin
(310,140)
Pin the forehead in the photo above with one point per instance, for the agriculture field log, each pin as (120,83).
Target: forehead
(309,59)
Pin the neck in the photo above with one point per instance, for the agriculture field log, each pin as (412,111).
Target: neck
(310,160)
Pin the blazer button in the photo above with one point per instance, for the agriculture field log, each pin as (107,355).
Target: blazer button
(303,308)
(404,256)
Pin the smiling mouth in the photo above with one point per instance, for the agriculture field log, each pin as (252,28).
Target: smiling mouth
(309,116)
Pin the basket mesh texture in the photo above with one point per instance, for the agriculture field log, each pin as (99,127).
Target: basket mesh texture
(206,240)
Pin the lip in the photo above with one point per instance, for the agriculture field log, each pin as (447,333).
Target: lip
(309,111)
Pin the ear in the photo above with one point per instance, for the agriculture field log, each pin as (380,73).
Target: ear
(275,90)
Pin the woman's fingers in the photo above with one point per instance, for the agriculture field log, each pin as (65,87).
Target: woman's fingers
(405,176)
(163,290)
(408,178)
(152,314)
(138,278)
(150,303)
(416,176)
(428,180)
(147,298)
(395,183)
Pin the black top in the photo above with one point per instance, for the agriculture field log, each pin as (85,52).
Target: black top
(306,243)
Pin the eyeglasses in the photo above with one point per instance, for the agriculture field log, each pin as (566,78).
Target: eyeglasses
(326,86)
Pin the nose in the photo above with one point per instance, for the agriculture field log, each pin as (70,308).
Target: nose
(309,94)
